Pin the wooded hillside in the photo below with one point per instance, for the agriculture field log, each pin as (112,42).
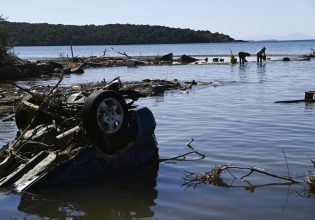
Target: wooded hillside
(26,34)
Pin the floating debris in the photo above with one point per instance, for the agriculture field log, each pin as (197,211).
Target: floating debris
(308,98)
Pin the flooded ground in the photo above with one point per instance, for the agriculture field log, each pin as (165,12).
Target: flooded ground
(235,122)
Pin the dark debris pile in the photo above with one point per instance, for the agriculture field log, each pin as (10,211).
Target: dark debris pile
(10,96)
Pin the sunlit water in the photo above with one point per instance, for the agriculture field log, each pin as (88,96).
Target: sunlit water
(235,123)
(281,47)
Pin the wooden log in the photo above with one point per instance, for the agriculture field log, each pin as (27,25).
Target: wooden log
(309,96)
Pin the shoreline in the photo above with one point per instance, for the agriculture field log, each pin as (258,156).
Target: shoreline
(224,55)
(11,95)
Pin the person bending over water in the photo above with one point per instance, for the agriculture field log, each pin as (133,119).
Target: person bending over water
(242,56)
(261,55)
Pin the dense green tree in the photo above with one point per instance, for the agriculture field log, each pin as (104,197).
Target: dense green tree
(3,40)
(26,34)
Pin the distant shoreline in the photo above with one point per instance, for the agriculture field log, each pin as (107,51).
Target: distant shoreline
(43,34)
(261,41)
(139,44)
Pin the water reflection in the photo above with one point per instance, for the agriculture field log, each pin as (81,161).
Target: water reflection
(309,107)
(261,68)
(243,71)
(158,98)
(125,195)
(261,71)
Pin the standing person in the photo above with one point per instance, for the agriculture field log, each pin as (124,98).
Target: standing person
(261,55)
(242,56)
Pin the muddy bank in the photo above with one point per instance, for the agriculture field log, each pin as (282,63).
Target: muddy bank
(10,95)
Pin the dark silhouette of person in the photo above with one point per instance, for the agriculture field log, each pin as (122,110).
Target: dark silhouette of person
(242,56)
(261,55)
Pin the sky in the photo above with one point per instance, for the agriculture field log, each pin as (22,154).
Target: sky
(242,19)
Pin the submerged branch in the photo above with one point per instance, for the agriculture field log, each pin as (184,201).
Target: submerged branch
(183,157)
(259,170)
(214,176)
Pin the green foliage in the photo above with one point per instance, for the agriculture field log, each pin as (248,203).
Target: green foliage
(26,34)
(3,40)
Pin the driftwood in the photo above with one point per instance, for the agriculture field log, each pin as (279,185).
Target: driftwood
(121,53)
(215,177)
(184,157)
(308,97)
(27,91)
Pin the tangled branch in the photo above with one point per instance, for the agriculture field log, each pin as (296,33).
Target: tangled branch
(214,176)
(44,102)
(183,157)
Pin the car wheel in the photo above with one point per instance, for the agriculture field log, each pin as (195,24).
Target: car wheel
(104,115)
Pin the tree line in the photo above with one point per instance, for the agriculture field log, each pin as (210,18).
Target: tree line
(4,42)
(43,34)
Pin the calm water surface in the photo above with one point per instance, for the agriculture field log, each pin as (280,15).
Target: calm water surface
(236,122)
(280,47)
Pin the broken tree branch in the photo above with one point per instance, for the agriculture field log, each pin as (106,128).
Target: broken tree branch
(37,112)
(286,161)
(260,170)
(183,157)
(124,53)
(214,176)
(27,91)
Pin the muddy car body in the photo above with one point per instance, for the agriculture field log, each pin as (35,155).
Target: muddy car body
(84,135)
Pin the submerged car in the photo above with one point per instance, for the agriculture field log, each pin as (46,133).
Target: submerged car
(84,135)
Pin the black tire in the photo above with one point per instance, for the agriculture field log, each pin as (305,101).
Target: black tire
(24,114)
(94,117)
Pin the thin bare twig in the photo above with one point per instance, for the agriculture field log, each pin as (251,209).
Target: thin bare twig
(189,144)
(286,161)
(247,175)
(262,171)
(183,157)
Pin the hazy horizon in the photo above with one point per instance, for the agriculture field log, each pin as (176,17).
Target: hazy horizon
(244,20)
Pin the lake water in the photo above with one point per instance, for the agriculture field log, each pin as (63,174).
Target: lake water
(235,123)
(281,47)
